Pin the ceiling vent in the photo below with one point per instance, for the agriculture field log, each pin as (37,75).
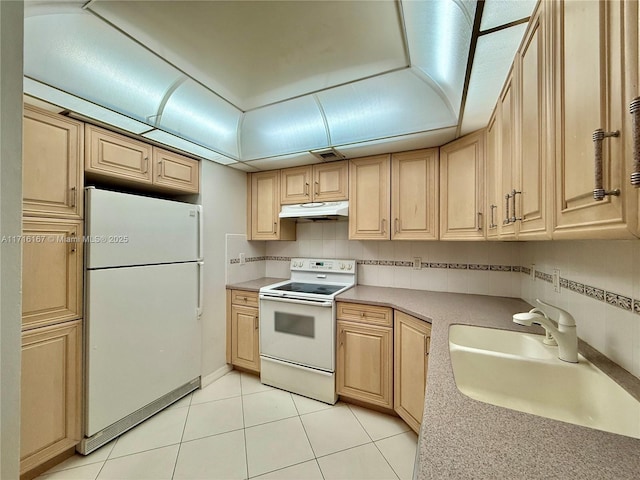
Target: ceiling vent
(327,154)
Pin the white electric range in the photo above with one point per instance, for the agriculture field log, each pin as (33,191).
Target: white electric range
(298,327)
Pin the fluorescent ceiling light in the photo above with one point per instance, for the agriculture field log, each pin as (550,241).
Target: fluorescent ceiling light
(502,12)
(87,109)
(189,147)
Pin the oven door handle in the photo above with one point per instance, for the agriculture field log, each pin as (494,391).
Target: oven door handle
(295,300)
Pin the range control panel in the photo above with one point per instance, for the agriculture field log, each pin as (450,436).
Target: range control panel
(323,265)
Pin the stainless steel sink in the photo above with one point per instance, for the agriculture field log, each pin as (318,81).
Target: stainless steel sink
(517,371)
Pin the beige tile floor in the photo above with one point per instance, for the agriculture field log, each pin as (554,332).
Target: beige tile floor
(238,428)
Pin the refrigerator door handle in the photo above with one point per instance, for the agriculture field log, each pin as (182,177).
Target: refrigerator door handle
(200,288)
(200,233)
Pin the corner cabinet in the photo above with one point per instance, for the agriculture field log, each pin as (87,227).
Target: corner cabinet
(364,366)
(51,393)
(462,188)
(263,222)
(325,182)
(412,338)
(414,195)
(369,198)
(52,165)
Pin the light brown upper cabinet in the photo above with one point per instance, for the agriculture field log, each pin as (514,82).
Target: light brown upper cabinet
(264,207)
(414,195)
(116,156)
(324,182)
(51,271)
(412,338)
(532,156)
(491,176)
(369,205)
(175,171)
(588,94)
(52,165)
(51,392)
(461,188)
(120,159)
(508,174)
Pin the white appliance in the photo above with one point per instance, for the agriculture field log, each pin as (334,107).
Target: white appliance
(316,211)
(143,274)
(298,327)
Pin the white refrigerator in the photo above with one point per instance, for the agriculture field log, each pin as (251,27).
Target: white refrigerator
(143,274)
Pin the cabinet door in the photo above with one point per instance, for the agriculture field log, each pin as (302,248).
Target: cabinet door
(52,165)
(175,172)
(411,360)
(588,95)
(296,185)
(245,351)
(508,173)
(109,154)
(330,181)
(51,389)
(531,204)
(369,205)
(492,175)
(414,195)
(265,205)
(461,188)
(364,366)
(51,271)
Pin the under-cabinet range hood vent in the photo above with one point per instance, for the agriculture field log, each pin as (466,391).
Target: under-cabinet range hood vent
(327,154)
(315,211)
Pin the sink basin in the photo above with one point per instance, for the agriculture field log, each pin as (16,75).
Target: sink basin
(503,341)
(510,370)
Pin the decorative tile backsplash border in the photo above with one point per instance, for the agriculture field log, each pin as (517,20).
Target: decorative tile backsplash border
(610,298)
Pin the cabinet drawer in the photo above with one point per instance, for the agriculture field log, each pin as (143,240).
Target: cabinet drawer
(243,297)
(357,312)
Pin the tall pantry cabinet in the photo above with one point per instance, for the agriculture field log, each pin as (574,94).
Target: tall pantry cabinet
(51,384)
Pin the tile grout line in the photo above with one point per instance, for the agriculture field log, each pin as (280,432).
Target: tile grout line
(373,441)
(184,427)
(244,429)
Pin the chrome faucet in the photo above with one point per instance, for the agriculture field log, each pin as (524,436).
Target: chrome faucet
(564,334)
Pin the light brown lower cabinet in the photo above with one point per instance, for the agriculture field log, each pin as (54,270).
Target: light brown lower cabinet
(364,366)
(411,360)
(51,389)
(244,324)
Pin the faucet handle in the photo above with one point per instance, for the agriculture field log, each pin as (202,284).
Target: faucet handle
(565,319)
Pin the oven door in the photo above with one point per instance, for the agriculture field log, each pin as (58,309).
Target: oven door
(298,331)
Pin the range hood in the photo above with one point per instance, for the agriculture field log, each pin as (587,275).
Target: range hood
(315,211)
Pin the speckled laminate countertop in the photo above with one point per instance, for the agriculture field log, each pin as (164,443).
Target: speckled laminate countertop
(462,438)
(255,285)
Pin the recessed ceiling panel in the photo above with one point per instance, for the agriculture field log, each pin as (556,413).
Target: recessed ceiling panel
(388,105)
(259,52)
(494,56)
(283,128)
(439,34)
(501,12)
(82,55)
(199,115)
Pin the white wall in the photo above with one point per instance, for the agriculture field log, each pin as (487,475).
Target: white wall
(11,18)
(387,263)
(223,198)
(603,284)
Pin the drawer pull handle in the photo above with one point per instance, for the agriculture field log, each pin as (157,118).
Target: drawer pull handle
(74,197)
(492,207)
(306,189)
(634,109)
(427,344)
(599,192)
(515,217)
(145,167)
(479,221)
(506,220)
(255,322)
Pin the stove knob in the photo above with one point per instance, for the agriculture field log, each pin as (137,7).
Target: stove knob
(350,267)
(342,266)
